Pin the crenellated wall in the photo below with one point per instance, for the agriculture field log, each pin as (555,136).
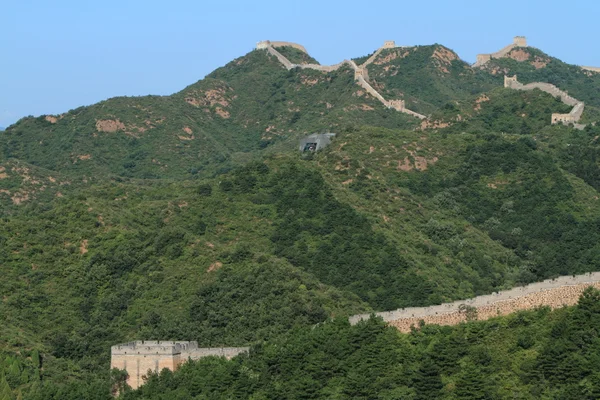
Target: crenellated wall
(266,43)
(593,69)
(141,356)
(553,293)
(518,41)
(361,74)
(571,118)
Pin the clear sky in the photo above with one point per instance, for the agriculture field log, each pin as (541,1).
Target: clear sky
(61,54)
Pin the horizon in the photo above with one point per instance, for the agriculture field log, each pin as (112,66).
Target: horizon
(66,56)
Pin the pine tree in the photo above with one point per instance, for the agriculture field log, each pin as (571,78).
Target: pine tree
(471,383)
(5,390)
(428,382)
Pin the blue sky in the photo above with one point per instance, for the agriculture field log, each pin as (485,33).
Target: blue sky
(61,54)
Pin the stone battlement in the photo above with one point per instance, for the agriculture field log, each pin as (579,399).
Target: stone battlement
(518,41)
(266,43)
(554,293)
(140,356)
(593,69)
(361,74)
(571,118)
(150,347)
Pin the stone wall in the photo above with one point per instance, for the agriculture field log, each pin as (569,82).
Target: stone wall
(553,293)
(266,43)
(593,69)
(141,356)
(361,74)
(518,41)
(571,118)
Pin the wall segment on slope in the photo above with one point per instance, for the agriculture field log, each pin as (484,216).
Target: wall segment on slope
(361,76)
(518,41)
(593,69)
(571,118)
(141,356)
(553,293)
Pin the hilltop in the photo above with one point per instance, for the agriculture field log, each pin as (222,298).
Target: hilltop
(253,104)
(194,217)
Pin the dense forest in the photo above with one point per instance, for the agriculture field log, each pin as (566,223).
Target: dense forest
(538,354)
(194,217)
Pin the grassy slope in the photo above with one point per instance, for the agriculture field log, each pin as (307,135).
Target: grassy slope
(296,56)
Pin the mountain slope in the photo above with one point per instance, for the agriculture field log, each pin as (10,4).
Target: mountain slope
(194,217)
(238,109)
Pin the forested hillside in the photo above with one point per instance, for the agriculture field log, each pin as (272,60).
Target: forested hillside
(194,217)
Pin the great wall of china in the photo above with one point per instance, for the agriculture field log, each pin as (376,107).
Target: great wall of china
(361,74)
(572,117)
(554,293)
(139,357)
(518,41)
(361,77)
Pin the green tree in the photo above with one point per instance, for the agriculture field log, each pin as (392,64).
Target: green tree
(5,390)
(428,382)
(471,383)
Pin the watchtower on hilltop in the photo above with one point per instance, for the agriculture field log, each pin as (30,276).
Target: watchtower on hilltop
(520,41)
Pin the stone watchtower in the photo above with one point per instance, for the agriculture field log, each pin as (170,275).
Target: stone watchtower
(509,81)
(398,105)
(520,41)
(138,357)
(141,356)
(263,45)
(389,44)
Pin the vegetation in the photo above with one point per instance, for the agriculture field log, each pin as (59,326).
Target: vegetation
(193,217)
(296,56)
(427,77)
(528,355)
(540,67)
